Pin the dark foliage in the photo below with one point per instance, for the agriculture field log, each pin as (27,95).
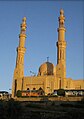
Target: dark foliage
(41,110)
(19,93)
(10,109)
(61,92)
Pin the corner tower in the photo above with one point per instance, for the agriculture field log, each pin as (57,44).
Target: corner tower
(61,48)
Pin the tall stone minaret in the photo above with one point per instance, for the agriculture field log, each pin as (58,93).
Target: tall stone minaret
(61,48)
(19,69)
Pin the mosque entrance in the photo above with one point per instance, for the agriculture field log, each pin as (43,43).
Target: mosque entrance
(40,91)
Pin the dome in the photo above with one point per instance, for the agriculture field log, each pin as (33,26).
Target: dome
(46,69)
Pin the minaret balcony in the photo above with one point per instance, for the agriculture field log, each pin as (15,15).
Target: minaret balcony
(21,49)
(22,35)
(61,44)
(61,29)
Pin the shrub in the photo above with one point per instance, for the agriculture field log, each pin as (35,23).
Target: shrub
(61,92)
(19,94)
(10,109)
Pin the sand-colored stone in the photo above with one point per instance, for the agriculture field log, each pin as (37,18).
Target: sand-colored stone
(49,77)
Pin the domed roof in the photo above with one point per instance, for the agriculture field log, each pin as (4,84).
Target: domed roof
(46,69)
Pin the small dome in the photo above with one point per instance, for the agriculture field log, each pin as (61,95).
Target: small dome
(46,69)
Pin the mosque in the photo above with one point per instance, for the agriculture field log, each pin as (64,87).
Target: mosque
(49,77)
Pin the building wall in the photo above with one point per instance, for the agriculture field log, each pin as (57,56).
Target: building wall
(74,84)
(79,84)
(47,83)
(36,82)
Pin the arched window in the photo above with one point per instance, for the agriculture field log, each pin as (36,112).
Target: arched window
(60,83)
(34,88)
(27,88)
(15,90)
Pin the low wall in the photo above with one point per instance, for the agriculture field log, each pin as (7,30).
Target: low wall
(65,98)
(50,99)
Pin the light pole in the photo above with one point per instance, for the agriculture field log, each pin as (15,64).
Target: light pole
(34,74)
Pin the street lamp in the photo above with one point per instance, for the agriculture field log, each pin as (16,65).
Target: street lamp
(34,74)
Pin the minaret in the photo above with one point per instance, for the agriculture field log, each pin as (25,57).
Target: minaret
(61,47)
(19,69)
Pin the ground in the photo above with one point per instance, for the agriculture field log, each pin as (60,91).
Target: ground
(41,110)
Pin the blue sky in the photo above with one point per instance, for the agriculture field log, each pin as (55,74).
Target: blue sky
(42,24)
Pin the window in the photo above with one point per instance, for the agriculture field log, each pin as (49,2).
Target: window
(15,90)
(27,88)
(34,88)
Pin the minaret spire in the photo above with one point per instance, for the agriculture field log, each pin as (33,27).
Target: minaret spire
(22,35)
(19,69)
(61,29)
(61,18)
(61,45)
